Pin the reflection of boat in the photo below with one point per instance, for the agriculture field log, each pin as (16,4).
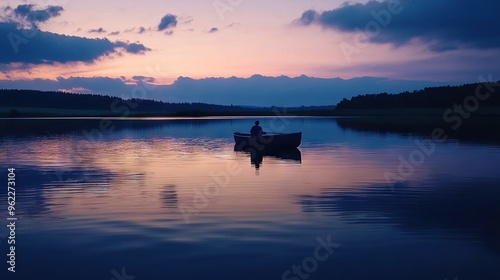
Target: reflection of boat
(169,196)
(256,155)
(270,139)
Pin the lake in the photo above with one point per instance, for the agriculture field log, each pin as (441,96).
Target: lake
(170,198)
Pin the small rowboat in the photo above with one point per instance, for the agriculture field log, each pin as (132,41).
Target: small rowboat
(270,139)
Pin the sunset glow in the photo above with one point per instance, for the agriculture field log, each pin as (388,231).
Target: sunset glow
(222,39)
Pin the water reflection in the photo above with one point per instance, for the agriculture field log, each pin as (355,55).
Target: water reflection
(477,129)
(38,184)
(169,196)
(291,155)
(121,196)
(440,207)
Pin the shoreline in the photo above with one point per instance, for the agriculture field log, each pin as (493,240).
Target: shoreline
(26,113)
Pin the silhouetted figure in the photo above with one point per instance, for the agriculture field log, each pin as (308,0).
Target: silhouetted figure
(256,130)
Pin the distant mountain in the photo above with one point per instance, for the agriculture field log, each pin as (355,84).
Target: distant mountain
(256,90)
(279,91)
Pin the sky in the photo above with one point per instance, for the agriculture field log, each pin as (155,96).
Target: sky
(69,44)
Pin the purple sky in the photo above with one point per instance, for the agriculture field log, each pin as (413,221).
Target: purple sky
(432,42)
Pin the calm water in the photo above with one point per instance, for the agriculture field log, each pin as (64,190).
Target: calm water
(172,199)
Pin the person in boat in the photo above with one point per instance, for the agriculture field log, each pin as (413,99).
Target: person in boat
(256,130)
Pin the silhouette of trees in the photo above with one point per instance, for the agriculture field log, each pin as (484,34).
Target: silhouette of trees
(18,102)
(432,97)
(18,99)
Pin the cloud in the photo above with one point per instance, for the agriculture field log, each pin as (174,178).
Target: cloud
(98,30)
(452,67)
(234,24)
(35,46)
(213,30)
(138,30)
(308,17)
(168,21)
(143,79)
(97,85)
(135,48)
(28,13)
(23,44)
(186,19)
(443,25)
(114,33)
(101,85)
(255,91)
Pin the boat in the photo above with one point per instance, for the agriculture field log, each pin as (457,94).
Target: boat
(270,139)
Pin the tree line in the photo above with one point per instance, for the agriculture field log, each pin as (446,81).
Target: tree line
(431,97)
(76,101)
(18,102)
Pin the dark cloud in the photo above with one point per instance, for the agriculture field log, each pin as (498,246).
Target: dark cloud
(138,30)
(143,79)
(255,91)
(135,48)
(308,17)
(40,47)
(442,25)
(186,19)
(114,33)
(168,21)
(120,87)
(29,13)
(234,24)
(101,85)
(213,30)
(129,30)
(98,30)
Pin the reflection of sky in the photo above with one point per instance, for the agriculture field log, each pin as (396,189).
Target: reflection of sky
(126,191)
(466,210)
(184,153)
